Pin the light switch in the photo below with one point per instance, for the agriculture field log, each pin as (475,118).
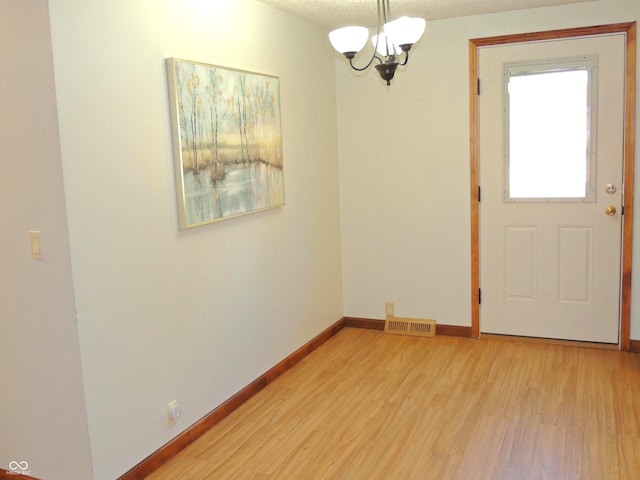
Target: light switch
(35,241)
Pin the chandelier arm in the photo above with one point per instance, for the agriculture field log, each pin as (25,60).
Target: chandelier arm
(406,58)
(361,69)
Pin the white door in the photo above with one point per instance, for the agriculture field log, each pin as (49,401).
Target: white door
(550,218)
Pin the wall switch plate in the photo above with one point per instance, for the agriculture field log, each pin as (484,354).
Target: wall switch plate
(35,244)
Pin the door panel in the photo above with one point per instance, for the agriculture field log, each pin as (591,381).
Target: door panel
(551,268)
(575,264)
(521,245)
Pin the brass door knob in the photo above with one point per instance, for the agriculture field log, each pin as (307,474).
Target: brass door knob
(610,210)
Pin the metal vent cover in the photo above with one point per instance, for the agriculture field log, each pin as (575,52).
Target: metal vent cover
(410,326)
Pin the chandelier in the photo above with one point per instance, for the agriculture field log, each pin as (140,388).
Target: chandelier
(392,40)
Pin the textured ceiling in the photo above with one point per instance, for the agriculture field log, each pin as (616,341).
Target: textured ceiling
(332,14)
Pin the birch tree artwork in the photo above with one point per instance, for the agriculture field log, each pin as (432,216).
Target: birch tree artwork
(227,141)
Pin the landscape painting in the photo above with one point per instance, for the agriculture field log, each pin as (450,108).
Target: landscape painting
(227,141)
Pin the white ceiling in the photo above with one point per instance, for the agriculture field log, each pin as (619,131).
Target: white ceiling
(332,14)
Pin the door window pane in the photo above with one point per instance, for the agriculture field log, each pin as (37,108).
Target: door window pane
(549,151)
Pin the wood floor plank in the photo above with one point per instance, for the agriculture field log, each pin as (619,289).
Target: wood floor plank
(366,405)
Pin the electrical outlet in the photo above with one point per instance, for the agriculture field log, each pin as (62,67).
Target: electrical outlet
(389,309)
(174,412)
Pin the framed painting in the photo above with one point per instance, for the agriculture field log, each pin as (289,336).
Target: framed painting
(227,141)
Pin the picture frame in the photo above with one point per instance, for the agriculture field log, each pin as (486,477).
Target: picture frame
(227,141)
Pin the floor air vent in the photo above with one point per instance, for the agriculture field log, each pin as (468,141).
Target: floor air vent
(410,326)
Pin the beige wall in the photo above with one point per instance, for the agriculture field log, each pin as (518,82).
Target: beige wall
(193,315)
(404,168)
(42,410)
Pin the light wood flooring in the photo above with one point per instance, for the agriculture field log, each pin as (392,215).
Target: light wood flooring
(367,405)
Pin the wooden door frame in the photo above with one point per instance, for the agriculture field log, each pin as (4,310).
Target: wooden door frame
(629,29)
